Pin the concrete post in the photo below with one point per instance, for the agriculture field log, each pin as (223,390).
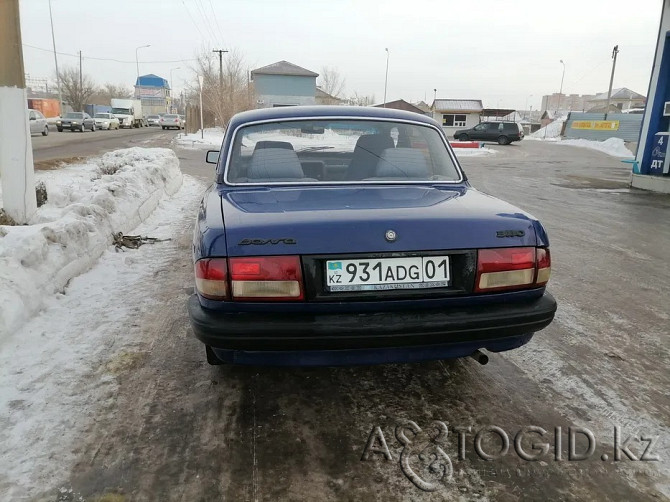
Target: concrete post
(17,174)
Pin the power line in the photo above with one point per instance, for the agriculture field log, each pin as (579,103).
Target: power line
(107,59)
(216,19)
(193,20)
(201,10)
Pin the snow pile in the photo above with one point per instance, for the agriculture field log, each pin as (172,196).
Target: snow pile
(211,138)
(86,204)
(611,146)
(58,370)
(551,131)
(473,152)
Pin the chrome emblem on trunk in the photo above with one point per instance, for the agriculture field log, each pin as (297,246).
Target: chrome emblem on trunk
(390,235)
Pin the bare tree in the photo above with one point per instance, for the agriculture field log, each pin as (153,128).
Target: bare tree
(223,99)
(331,82)
(357,100)
(76,91)
(104,94)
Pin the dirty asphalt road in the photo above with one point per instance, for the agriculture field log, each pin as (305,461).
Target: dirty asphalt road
(179,429)
(68,145)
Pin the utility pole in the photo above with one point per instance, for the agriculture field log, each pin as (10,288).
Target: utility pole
(17,173)
(53,41)
(386,79)
(81,85)
(615,51)
(221,51)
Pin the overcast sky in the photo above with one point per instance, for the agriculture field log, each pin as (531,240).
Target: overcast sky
(500,51)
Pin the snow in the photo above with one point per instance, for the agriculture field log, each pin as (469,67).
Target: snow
(68,234)
(611,146)
(59,369)
(550,132)
(473,152)
(211,138)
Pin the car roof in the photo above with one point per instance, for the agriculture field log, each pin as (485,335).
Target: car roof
(306,112)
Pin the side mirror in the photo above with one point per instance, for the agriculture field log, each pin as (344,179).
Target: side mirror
(212,157)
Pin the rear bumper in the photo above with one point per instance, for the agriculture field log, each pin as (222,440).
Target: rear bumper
(368,338)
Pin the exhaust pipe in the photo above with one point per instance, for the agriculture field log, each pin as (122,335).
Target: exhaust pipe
(480,357)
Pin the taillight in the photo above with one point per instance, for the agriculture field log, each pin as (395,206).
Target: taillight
(266,278)
(543,266)
(211,278)
(512,268)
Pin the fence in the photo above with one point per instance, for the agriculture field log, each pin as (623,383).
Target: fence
(193,119)
(598,126)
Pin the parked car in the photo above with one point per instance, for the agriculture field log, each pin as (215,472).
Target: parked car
(106,121)
(324,241)
(153,120)
(76,121)
(38,123)
(503,133)
(170,120)
(183,121)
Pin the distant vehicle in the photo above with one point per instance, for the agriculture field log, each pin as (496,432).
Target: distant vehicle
(38,123)
(502,132)
(153,120)
(106,121)
(128,111)
(183,121)
(76,121)
(324,241)
(169,120)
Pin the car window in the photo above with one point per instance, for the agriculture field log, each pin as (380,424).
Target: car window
(339,150)
(31,115)
(102,115)
(73,115)
(170,116)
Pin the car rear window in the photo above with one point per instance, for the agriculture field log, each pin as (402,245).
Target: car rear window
(170,116)
(337,151)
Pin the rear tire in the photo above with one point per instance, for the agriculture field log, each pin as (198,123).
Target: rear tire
(46,131)
(60,129)
(93,128)
(463,137)
(163,127)
(211,357)
(503,140)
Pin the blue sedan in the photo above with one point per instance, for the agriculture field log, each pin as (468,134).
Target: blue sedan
(350,235)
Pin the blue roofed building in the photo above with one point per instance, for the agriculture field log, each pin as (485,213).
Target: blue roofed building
(283,84)
(155,93)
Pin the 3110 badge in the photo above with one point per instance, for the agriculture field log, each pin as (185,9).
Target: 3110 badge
(371,274)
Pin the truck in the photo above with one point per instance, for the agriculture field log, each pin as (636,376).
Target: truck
(128,111)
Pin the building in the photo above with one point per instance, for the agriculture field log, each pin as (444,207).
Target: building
(155,93)
(651,170)
(455,114)
(571,102)
(401,104)
(622,99)
(321,97)
(284,84)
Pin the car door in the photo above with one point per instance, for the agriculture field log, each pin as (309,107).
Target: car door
(32,119)
(40,121)
(479,131)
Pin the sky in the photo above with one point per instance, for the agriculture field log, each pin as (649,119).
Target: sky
(506,53)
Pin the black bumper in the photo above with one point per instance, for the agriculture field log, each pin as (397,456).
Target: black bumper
(308,331)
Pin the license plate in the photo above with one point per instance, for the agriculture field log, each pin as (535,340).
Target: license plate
(372,274)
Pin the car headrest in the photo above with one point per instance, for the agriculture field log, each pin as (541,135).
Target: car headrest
(273,144)
(374,143)
(402,163)
(274,163)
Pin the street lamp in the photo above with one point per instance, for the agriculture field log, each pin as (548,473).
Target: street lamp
(137,62)
(560,92)
(386,80)
(525,108)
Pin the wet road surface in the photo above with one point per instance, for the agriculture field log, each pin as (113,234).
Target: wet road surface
(178,429)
